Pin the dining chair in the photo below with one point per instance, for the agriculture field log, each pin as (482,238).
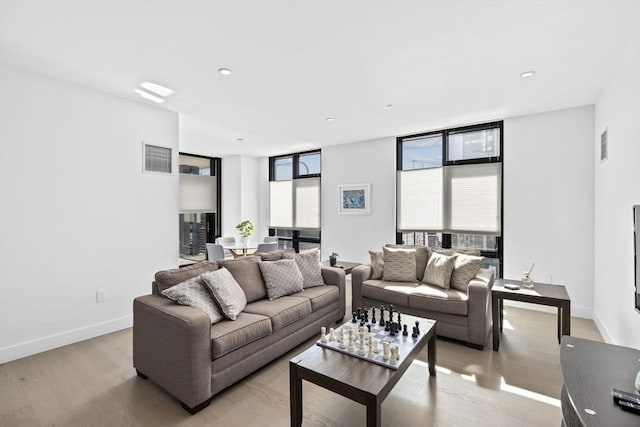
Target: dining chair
(215,251)
(267,247)
(226,241)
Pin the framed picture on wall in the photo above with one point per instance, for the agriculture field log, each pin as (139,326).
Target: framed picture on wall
(355,199)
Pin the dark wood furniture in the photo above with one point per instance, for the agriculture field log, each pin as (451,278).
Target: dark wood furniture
(348,376)
(346,266)
(590,370)
(541,293)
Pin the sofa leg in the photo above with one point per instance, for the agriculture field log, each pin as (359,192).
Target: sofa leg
(141,375)
(197,408)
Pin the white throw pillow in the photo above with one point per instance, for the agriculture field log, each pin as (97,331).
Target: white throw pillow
(281,277)
(194,293)
(226,292)
(399,265)
(439,269)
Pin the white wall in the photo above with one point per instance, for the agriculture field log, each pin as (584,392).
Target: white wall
(617,189)
(76,212)
(240,194)
(352,236)
(548,201)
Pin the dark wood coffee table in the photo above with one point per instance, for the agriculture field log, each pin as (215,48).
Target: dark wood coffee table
(541,293)
(361,381)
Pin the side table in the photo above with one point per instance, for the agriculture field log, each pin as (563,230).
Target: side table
(345,265)
(541,293)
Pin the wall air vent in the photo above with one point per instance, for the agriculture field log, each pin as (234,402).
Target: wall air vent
(156,159)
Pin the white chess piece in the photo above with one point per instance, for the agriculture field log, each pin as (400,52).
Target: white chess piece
(361,350)
(323,336)
(385,351)
(394,351)
(374,342)
(341,343)
(370,353)
(397,353)
(351,346)
(331,334)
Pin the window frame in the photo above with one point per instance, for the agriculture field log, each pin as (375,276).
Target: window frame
(498,253)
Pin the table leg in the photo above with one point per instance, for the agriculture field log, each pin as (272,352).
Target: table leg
(501,311)
(566,318)
(496,322)
(559,323)
(431,356)
(295,396)
(374,415)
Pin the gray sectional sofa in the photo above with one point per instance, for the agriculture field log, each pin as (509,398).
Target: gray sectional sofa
(178,348)
(461,314)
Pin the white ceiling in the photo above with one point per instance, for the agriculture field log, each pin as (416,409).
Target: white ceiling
(440,63)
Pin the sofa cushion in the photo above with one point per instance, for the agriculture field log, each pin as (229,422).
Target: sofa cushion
(194,293)
(422,256)
(226,292)
(247,273)
(320,296)
(227,335)
(377,264)
(439,270)
(390,292)
(399,265)
(282,277)
(283,311)
(433,298)
(309,265)
(465,269)
(167,278)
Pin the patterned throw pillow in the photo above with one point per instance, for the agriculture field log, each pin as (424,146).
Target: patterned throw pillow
(465,269)
(399,265)
(439,270)
(281,277)
(194,293)
(226,292)
(309,264)
(377,264)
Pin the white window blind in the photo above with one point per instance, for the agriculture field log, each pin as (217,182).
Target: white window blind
(451,199)
(197,193)
(473,198)
(281,204)
(307,202)
(420,200)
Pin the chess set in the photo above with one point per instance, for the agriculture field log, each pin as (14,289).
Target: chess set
(373,335)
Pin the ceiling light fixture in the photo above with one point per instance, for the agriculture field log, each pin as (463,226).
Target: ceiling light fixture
(389,105)
(156,88)
(239,139)
(224,71)
(527,74)
(329,119)
(149,96)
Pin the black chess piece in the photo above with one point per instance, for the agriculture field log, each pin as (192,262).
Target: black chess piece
(359,313)
(381,315)
(392,330)
(387,327)
(373,315)
(399,321)
(366,316)
(417,327)
(391,313)
(404,331)
(414,334)
(353,318)
(369,328)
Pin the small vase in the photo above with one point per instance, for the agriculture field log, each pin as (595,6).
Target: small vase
(332,261)
(244,241)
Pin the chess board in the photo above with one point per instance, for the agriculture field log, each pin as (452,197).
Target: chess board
(405,344)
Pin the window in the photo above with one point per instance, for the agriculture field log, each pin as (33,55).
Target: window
(294,200)
(449,190)
(199,217)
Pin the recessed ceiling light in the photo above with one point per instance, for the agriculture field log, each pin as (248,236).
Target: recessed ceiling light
(224,71)
(156,88)
(329,119)
(239,139)
(389,105)
(527,74)
(149,96)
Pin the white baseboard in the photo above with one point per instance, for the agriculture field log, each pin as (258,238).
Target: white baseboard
(608,338)
(28,348)
(576,310)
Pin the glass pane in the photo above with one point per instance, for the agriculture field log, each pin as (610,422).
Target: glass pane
(473,241)
(193,235)
(422,152)
(283,169)
(423,238)
(283,232)
(194,165)
(474,145)
(309,164)
(305,246)
(314,234)
(285,244)
(492,264)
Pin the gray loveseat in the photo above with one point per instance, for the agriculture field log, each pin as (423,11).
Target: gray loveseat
(179,349)
(461,315)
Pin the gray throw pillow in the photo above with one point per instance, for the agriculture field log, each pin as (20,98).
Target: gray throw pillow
(194,293)
(377,264)
(226,292)
(309,265)
(465,269)
(399,265)
(439,270)
(281,277)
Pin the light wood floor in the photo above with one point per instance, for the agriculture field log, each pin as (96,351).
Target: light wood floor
(92,383)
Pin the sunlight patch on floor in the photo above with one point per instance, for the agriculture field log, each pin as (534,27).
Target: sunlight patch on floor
(528,394)
(438,368)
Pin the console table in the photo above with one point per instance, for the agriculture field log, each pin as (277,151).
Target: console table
(590,370)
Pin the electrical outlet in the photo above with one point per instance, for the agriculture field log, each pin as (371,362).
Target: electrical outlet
(101,295)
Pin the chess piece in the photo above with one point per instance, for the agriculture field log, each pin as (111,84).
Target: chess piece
(341,343)
(370,353)
(369,328)
(386,354)
(366,316)
(392,356)
(359,312)
(353,317)
(361,350)
(387,328)
(323,336)
(373,315)
(405,333)
(351,346)
(375,345)
(332,337)
(381,315)
(392,329)
(414,335)
(399,321)
(391,313)
(417,327)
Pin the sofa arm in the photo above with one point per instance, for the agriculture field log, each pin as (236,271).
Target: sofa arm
(172,346)
(336,277)
(358,275)
(479,314)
